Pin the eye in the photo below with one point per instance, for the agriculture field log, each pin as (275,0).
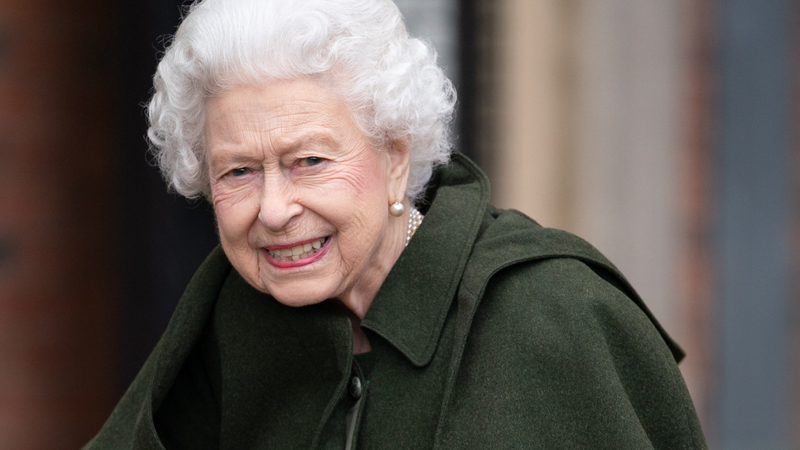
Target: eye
(240,171)
(310,161)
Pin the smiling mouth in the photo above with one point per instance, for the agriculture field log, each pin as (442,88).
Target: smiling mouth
(299,251)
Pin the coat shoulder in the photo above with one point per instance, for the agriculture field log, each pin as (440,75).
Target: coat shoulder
(558,342)
(515,252)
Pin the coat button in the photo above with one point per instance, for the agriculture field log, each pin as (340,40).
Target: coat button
(355,387)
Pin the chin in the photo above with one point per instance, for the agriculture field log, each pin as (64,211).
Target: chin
(290,295)
(297,301)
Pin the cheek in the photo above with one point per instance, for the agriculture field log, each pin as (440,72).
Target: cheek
(233,191)
(235,208)
(363,178)
(357,179)
(361,198)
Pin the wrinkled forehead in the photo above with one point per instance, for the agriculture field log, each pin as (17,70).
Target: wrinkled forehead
(282,108)
(276,107)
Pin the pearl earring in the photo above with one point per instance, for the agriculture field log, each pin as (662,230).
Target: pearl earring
(397,209)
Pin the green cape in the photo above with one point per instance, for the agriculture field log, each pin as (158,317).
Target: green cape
(489,332)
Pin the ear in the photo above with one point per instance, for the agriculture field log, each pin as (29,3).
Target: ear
(399,165)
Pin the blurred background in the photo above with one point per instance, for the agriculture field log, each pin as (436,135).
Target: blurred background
(663,131)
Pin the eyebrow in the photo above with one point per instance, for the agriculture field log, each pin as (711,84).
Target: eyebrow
(319,137)
(226,158)
(314,137)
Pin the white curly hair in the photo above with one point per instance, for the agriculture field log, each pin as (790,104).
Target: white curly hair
(389,80)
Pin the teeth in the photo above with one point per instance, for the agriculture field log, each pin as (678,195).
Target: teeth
(298,251)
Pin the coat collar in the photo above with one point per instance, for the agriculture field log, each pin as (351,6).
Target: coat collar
(411,306)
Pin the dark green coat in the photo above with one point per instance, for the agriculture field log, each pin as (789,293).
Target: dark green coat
(490,332)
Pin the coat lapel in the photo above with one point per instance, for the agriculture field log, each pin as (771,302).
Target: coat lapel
(412,304)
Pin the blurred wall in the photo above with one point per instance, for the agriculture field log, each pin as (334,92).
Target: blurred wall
(755,171)
(662,131)
(94,253)
(59,97)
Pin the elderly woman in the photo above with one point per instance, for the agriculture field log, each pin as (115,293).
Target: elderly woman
(337,315)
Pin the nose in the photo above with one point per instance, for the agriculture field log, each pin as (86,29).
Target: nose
(279,203)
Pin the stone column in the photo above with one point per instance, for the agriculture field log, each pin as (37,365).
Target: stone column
(530,168)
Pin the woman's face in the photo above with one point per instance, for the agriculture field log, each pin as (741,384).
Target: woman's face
(300,195)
